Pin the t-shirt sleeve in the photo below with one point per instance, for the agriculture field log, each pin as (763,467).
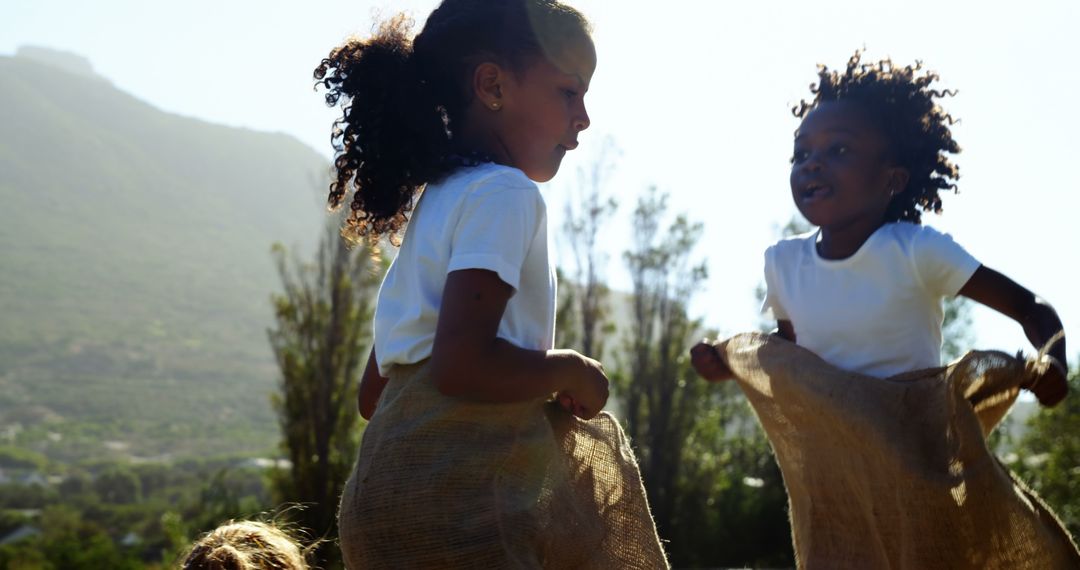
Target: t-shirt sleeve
(771,306)
(495,229)
(943,266)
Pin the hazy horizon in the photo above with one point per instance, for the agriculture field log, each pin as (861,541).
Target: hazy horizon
(697,96)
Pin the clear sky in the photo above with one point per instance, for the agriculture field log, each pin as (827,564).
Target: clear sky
(696,94)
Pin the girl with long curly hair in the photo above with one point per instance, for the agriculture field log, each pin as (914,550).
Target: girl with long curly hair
(443,139)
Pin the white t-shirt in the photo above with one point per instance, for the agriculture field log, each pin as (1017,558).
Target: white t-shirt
(482,217)
(877,312)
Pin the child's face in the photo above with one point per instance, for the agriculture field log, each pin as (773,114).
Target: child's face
(839,171)
(544,110)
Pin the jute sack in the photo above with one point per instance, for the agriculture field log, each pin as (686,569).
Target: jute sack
(444,483)
(895,473)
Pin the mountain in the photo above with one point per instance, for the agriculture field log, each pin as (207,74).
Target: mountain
(135,267)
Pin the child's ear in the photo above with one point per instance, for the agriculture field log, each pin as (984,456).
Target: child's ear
(898,179)
(487,84)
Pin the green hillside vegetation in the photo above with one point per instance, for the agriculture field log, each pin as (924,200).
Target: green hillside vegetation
(135,267)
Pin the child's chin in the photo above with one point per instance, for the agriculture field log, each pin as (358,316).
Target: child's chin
(541,175)
(815,218)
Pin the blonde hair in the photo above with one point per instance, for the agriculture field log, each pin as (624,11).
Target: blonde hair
(245,545)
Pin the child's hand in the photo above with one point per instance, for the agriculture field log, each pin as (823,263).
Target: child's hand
(707,362)
(1051,386)
(586,391)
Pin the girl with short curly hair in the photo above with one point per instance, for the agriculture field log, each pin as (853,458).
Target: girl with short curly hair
(864,291)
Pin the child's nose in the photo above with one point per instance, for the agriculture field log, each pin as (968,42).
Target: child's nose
(811,164)
(582,121)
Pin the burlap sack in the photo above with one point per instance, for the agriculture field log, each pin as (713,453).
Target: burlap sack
(895,473)
(443,483)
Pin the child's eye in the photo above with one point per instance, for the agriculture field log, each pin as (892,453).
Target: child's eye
(799,157)
(840,150)
(569,93)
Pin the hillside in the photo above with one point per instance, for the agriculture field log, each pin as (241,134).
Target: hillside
(135,267)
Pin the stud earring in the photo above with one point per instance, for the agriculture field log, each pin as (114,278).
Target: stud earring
(495,106)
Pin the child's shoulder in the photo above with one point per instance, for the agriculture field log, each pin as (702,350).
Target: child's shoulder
(483,186)
(481,193)
(489,177)
(793,245)
(909,230)
(909,238)
(914,237)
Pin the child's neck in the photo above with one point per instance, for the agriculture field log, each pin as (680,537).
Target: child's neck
(477,138)
(841,242)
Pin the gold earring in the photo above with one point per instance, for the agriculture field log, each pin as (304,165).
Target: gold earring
(495,105)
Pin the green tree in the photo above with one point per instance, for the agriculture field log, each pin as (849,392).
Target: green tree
(661,398)
(585,303)
(1050,455)
(118,485)
(20,458)
(731,509)
(70,543)
(567,329)
(957,329)
(715,491)
(321,341)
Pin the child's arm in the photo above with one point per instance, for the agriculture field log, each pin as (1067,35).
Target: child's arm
(371,387)
(469,361)
(785,330)
(1039,320)
(708,364)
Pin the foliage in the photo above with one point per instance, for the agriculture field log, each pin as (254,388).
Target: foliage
(134,269)
(136,273)
(1049,456)
(957,330)
(715,491)
(587,212)
(661,402)
(321,341)
(93,519)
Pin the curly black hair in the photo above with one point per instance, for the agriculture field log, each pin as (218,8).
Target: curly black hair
(403,97)
(905,107)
